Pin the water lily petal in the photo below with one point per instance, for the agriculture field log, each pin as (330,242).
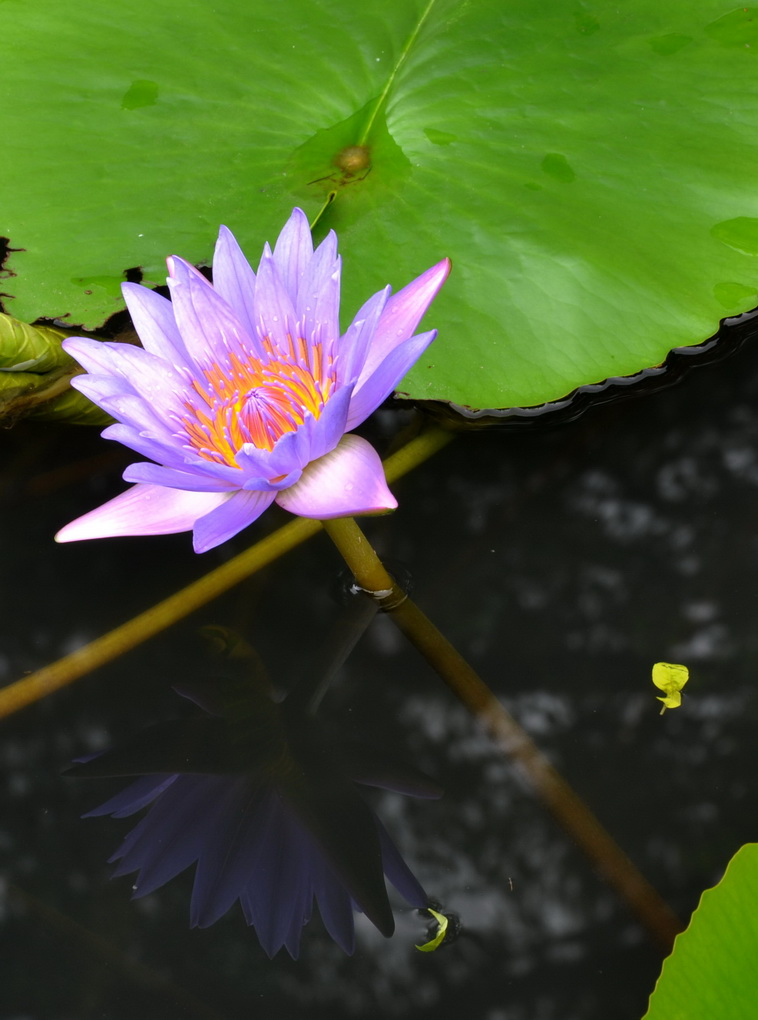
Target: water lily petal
(402,314)
(169,454)
(275,898)
(276,319)
(150,377)
(153,318)
(355,343)
(326,432)
(113,395)
(349,480)
(173,478)
(258,473)
(135,797)
(378,386)
(171,836)
(89,353)
(210,329)
(398,872)
(317,302)
(141,442)
(228,518)
(143,510)
(234,279)
(229,857)
(293,252)
(335,906)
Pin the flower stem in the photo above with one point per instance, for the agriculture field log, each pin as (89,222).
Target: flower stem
(368,570)
(559,797)
(346,632)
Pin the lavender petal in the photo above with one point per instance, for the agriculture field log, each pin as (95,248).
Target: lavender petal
(228,518)
(143,510)
(349,480)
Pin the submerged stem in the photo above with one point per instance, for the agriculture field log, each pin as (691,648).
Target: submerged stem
(562,800)
(346,632)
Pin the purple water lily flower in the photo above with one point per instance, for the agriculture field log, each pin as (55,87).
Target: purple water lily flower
(270,812)
(245,390)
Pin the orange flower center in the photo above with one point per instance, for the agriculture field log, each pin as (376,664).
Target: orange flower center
(256,402)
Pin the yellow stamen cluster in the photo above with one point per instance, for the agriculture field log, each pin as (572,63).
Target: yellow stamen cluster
(255,402)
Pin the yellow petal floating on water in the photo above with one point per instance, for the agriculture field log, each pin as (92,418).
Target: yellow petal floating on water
(439,938)
(670,679)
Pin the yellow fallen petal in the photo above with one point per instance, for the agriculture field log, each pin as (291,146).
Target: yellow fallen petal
(670,678)
(671,701)
(429,947)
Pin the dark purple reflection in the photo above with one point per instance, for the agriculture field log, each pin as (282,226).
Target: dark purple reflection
(268,809)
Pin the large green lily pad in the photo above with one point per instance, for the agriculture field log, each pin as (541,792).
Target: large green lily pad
(711,972)
(590,167)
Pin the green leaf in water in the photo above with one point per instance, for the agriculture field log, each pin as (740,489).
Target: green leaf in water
(711,971)
(35,373)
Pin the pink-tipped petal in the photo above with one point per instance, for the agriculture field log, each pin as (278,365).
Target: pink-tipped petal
(145,473)
(145,443)
(234,279)
(349,480)
(209,327)
(110,394)
(143,510)
(274,307)
(290,454)
(226,520)
(293,251)
(92,355)
(384,380)
(355,343)
(326,433)
(153,318)
(151,377)
(174,457)
(402,314)
(317,303)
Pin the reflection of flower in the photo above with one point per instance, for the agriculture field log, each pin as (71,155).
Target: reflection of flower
(271,814)
(244,391)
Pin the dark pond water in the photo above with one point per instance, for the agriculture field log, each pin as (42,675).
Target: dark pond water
(563,562)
